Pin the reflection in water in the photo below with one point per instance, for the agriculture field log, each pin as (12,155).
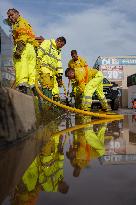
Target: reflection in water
(107,143)
(87,145)
(46,173)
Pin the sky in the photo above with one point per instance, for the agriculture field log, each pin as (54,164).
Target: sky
(92,27)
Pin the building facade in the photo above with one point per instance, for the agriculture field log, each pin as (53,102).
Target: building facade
(7,74)
(117,69)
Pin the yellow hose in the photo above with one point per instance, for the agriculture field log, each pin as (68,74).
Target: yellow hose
(77,127)
(75,110)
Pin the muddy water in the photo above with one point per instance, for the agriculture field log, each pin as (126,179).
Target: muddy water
(73,160)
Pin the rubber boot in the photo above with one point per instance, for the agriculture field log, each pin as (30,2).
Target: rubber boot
(48,93)
(56,98)
(35,93)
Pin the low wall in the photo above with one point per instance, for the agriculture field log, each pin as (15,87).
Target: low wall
(17,114)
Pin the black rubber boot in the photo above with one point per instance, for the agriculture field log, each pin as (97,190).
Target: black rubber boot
(34,91)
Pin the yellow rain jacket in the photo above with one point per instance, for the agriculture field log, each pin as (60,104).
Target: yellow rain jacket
(26,66)
(88,81)
(81,62)
(90,145)
(82,76)
(49,64)
(52,169)
(47,169)
(50,58)
(22,30)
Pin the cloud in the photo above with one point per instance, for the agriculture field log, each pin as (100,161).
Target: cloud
(4,6)
(103,30)
(93,28)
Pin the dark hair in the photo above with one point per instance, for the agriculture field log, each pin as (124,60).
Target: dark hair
(14,10)
(73,51)
(76,171)
(67,70)
(62,39)
(63,187)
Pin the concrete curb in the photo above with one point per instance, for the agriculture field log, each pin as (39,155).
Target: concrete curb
(17,114)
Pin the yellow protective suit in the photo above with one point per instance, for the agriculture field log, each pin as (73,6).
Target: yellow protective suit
(50,61)
(44,173)
(47,170)
(88,81)
(26,66)
(80,63)
(89,145)
(55,90)
(49,58)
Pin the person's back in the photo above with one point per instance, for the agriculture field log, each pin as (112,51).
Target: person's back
(83,75)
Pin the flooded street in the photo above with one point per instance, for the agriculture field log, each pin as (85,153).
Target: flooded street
(72,160)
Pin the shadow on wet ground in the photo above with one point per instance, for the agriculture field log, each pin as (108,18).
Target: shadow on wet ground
(72,160)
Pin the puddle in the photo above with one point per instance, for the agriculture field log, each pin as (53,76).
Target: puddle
(75,160)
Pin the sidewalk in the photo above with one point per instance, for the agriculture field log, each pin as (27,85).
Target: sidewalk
(126,111)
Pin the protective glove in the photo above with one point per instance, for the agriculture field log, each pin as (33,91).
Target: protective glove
(72,94)
(19,49)
(59,80)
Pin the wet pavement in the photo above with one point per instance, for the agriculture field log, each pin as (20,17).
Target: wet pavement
(72,160)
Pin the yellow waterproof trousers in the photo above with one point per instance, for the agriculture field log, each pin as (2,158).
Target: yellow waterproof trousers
(25,68)
(96,140)
(94,85)
(46,77)
(55,90)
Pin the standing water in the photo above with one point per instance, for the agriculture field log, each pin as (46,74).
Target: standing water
(78,161)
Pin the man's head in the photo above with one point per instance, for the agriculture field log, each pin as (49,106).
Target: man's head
(74,55)
(60,42)
(70,73)
(77,171)
(63,187)
(71,154)
(13,15)
(39,39)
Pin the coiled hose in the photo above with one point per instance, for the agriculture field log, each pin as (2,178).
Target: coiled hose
(75,110)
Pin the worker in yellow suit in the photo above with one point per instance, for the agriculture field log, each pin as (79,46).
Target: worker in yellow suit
(87,145)
(50,65)
(52,170)
(45,173)
(87,81)
(24,55)
(75,63)
(47,170)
